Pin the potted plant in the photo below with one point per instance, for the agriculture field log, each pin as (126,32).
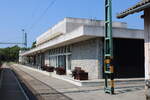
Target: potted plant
(50,69)
(79,74)
(44,67)
(60,70)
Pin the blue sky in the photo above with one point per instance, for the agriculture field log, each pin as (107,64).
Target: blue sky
(21,14)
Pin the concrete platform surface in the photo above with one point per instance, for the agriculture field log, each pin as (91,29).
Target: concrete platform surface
(90,83)
(49,86)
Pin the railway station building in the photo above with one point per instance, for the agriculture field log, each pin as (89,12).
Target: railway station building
(76,42)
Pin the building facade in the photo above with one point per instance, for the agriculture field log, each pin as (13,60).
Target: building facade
(75,42)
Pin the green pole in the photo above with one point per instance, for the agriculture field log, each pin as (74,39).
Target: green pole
(108,49)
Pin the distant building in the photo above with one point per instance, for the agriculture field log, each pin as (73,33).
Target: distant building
(144,5)
(75,42)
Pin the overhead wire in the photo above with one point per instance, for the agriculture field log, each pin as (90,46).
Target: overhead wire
(33,13)
(42,15)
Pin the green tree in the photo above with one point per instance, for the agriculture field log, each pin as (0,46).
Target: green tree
(9,53)
(33,44)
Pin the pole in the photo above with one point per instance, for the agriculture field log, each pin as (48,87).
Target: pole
(24,38)
(108,49)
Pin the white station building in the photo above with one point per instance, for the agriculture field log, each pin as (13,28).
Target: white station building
(75,42)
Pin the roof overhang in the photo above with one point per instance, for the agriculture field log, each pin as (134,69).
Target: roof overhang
(136,8)
(84,33)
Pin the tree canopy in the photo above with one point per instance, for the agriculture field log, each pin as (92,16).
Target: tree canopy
(12,53)
(9,53)
(33,44)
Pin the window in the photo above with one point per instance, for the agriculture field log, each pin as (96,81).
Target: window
(69,62)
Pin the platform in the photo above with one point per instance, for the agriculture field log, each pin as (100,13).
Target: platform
(49,86)
(94,82)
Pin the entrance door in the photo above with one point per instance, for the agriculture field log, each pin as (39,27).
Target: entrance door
(68,64)
(65,61)
(62,61)
(42,59)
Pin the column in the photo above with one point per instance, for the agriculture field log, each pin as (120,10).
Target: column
(147,51)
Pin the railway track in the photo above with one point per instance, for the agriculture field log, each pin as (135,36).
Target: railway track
(11,88)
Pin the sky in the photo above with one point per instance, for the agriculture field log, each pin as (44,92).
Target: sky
(35,18)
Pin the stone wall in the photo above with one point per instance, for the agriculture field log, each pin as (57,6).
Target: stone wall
(88,55)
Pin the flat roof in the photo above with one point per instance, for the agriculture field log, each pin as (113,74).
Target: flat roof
(82,33)
(70,24)
(140,6)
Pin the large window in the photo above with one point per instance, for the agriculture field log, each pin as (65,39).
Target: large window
(69,62)
(59,56)
(62,61)
(53,61)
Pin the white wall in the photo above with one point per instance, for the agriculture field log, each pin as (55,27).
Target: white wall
(147,43)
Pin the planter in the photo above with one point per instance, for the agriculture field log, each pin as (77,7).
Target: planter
(82,76)
(79,74)
(75,71)
(44,67)
(50,69)
(60,70)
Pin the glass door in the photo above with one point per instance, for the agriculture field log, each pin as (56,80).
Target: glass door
(62,61)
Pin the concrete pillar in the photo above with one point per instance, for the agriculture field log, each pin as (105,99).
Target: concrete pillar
(147,51)
(66,63)
(99,42)
(34,60)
